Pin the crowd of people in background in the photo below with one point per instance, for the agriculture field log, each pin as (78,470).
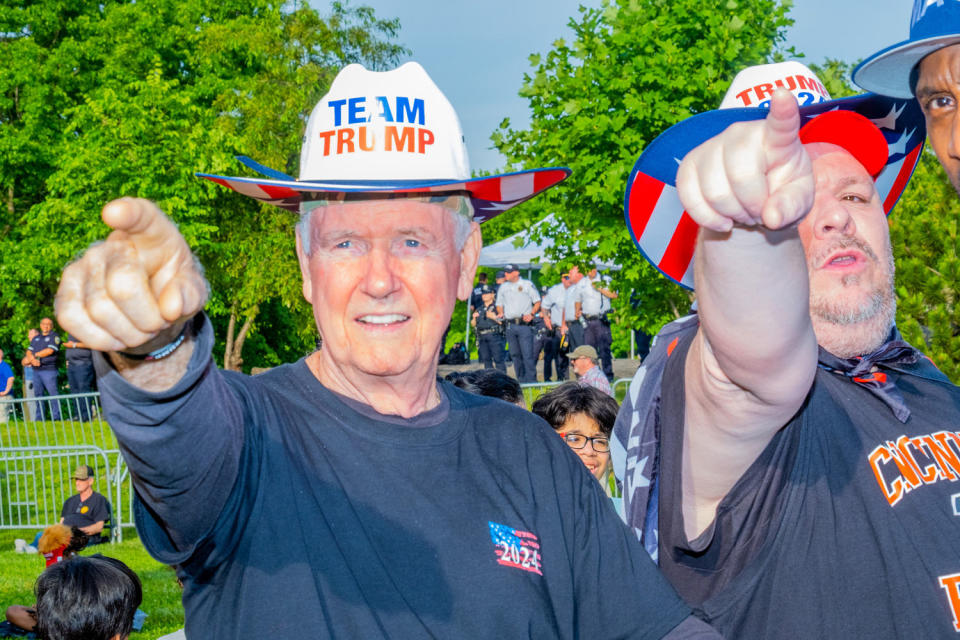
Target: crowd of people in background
(516,322)
(784,465)
(40,375)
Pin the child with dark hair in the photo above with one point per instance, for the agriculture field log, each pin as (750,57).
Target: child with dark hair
(584,417)
(57,543)
(489,382)
(87,598)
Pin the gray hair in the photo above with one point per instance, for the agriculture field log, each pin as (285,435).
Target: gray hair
(462,218)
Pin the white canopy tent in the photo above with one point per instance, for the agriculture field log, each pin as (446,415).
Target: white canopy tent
(519,249)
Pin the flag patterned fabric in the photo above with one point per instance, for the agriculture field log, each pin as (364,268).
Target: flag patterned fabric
(666,235)
(490,196)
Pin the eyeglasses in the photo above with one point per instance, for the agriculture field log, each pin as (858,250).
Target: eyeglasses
(577,441)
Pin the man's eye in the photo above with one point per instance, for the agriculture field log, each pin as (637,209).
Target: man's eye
(939,102)
(410,243)
(346,244)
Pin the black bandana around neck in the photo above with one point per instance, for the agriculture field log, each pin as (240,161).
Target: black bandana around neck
(864,370)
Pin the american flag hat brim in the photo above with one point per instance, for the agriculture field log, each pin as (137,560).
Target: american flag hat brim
(490,195)
(666,235)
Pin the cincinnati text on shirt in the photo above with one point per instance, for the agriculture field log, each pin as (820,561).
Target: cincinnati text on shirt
(913,461)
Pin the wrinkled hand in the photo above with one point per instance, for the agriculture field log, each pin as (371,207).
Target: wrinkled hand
(754,173)
(139,282)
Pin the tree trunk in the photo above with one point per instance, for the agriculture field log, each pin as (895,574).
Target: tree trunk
(241,337)
(232,354)
(228,351)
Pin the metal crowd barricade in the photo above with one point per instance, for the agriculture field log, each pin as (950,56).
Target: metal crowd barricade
(533,390)
(39,453)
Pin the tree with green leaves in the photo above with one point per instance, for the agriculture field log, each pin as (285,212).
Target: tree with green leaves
(633,69)
(131,98)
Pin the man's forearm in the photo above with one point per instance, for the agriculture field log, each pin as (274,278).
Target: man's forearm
(753,298)
(93,529)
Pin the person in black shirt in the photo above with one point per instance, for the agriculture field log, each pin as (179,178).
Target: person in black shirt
(803,479)
(407,508)
(490,334)
(80,374)
(86,509)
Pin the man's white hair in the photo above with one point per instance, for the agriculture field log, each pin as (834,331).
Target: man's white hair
(462,213)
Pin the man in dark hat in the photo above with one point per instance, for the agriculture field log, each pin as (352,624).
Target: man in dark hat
(406,507)
(86,509)
(490,333)
(805,453)
(925,66)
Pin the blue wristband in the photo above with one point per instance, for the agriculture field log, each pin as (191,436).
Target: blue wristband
(162,352)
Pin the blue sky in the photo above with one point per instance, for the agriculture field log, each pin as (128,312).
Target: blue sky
(477,52)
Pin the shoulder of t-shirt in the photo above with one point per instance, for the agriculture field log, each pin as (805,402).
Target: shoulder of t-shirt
(508,416)
(277,378)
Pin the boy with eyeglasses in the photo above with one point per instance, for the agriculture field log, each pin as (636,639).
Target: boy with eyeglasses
(584,417)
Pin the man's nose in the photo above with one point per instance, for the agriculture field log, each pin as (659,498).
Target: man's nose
(830,216)
(380,279)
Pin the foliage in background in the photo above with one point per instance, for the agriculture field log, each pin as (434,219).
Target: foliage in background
(633,69)
(123,98)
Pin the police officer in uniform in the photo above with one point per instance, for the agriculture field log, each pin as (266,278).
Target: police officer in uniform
(490,338)
(476,299)
(517,302)
(596,296)
(571,329)
(80,373)
(44,348)
(551,308)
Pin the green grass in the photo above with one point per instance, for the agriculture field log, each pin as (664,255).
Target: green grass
(161,595)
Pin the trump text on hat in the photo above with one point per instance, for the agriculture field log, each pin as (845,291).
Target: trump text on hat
(813,94)
(348,112)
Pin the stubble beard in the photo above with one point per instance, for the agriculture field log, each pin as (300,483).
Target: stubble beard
(848,329)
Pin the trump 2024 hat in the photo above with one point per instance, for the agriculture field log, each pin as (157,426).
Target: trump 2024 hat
(884,134)
(934,24)
(382,133)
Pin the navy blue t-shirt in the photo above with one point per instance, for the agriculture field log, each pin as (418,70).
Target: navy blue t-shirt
(294,512)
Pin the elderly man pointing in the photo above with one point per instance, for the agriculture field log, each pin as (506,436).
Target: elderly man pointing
(350,494)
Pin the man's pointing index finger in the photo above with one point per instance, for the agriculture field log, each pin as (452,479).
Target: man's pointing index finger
(152,234)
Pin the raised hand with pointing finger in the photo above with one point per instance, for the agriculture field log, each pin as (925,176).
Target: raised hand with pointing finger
(754,173)
(133,292)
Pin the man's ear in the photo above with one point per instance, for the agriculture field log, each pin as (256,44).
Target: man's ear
(469,257)
(304,268)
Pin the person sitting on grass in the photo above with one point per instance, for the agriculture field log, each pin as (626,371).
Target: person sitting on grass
(86,509)
(88,598)
(584,418)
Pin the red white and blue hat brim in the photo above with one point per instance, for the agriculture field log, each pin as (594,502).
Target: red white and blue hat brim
(666,235)
(888,71)
(490,195)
